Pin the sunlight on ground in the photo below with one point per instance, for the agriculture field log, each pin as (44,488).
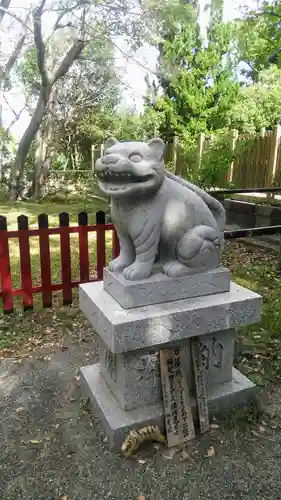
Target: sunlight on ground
(32,209)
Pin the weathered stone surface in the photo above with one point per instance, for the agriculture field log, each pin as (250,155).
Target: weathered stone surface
(159,324)
(217,350)
(135,381)
(117,422)
(134,377)
(160,288)
(154,210)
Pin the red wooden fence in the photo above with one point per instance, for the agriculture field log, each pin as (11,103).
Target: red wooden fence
(23,234)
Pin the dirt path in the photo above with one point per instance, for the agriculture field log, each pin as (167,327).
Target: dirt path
(52,448)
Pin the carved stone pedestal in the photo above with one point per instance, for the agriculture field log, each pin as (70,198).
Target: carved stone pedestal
(125,387)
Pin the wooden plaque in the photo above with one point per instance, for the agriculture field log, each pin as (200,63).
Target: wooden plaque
(177,407)
(202,402)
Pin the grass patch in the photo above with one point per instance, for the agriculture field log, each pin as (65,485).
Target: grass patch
(242,417)
(52,206)
(258,347)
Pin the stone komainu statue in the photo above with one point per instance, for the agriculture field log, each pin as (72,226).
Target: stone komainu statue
(155,211)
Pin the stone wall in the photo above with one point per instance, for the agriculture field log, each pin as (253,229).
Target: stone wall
(246,215)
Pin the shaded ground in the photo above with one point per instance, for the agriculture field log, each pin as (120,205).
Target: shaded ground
(52,447)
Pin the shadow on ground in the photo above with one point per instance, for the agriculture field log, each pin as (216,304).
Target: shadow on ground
(53,448)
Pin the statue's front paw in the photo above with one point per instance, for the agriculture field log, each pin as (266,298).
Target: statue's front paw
(117,265)
(137,271)
(175,269)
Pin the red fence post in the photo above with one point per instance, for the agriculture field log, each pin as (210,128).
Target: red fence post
(115,245)
(25,264)
(5,268)
(45,260)
(101,248)
(65,258)
(83,247)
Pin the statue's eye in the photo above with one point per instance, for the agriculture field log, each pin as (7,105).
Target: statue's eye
(135,157)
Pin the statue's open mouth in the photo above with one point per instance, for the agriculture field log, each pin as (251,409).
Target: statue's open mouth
(114,181)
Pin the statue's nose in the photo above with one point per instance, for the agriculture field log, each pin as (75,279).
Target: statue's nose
(109,159)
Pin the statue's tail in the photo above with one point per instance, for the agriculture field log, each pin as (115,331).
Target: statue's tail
(214,205)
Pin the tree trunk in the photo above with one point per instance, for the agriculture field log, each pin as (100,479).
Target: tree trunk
(38,161)
(43,155)
(71,55)
(17,175)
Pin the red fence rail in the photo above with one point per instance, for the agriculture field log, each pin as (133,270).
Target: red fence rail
(47,287)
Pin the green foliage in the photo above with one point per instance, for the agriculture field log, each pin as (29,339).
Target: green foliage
(259,104)
(29,74)
(198,81)
(8,148)
(215,161)
(258,38)
(201,91)
(198,91)
(198,85)
(136,127)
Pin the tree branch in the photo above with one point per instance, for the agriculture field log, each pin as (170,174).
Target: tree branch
(14,120)
(72,54)
(57,23)
(271,13)
(5,4)
(80,3)
(39,43)
(11,14)
(7,102)
(67,10)
(16,52)
(125,54)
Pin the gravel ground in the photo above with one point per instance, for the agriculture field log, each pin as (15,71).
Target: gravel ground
(52,447)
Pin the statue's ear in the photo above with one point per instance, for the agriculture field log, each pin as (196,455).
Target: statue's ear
(110,142)
(158,146)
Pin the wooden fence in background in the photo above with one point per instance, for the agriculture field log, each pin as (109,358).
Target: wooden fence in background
(256,165)
(47,286)
(254,161)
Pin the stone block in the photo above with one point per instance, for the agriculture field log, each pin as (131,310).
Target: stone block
(160,324)
(134,377)
(275,216)
(118,423)
(240,213)
(135,380)
(217,351)
(160,288)
(263,215)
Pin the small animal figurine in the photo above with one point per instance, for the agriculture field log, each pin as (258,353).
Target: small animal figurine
(157,213)
(136,438)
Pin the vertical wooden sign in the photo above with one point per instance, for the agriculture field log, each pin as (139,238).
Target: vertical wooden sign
(177,407)
(201,396)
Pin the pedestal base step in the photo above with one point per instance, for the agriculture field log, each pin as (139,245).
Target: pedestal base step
(160,288)
(117,423)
